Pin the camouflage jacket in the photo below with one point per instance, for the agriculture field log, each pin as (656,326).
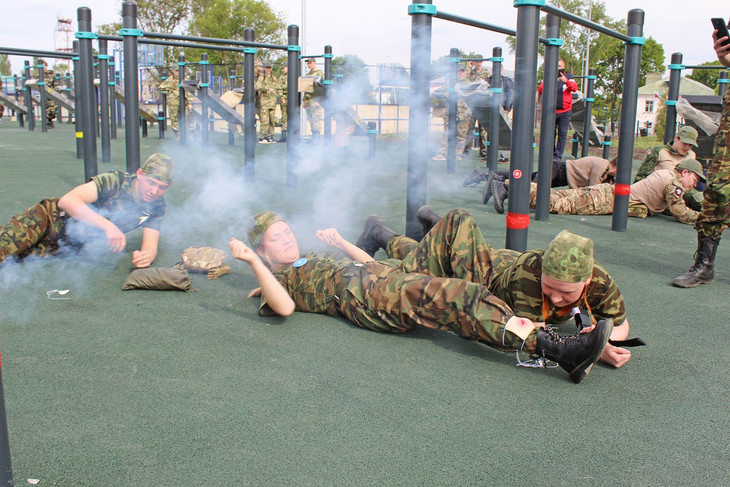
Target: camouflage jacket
(661,157)
(266,87)
(171,88)
(516,281)
(306,96)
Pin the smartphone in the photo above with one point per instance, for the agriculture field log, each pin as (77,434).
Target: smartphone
(721,27)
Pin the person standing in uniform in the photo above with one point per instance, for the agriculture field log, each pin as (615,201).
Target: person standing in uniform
(105,208)
(386,296)
(267,86)
(715,215)
(49,77)
(172,95)
(463,116)
(669,155)
(282,88)
(563,107)
(477,72)
(311,103)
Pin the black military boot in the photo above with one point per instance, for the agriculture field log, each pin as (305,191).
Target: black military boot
(577,353)
(499,193)
(475,177)
(375,235)
(703,270)
(427,217)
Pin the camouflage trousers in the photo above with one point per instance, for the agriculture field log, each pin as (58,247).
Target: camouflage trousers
(715,215)
(51,110)
(35,231)
(440,283)
(315,114)
(462,132)
(268,119)
(173,111)
(2,110)
(590,200)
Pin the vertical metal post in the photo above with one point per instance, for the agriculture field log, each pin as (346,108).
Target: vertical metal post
(547,120)
(632,63)
(675,77)
(574,148)
(131,85)
(112,101)
(106,151)
(590,80)
(6,470)
(87,93)
(497,90)
(518,216)
(421,12)
(606,146)
(28,96)
(452,77)
(43,96)
(722,83)
(204,86)
(18,115)
(68,95)
(162,115)
(372,135)
(327,86)
(293,106)
(78,119)
(182,121)
(249,109)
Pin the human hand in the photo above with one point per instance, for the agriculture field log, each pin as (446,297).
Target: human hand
(331,237)
(115,239)
(723,52)
(241,251)
(615,356)
(142,258)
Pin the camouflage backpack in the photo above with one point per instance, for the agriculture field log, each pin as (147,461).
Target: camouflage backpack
(205,259)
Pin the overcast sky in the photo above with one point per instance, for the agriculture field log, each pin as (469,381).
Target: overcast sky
(378,31)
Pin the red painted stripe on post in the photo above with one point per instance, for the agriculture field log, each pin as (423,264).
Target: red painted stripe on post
(517,221)
(622,189)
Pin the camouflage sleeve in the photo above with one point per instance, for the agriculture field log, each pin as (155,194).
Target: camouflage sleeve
(674,196)
(107,185)
(604,297)
(647,165)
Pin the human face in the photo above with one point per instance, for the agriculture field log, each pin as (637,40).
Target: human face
(561,64)
(149,189)
(681,147)
(689,179)
(278,245)
(311,64)
(561,293)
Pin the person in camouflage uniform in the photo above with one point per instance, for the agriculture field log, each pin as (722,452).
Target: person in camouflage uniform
(107,207)
(172,95)
(394,296)
(669,155)
(266,86)
(282,89)
(463,116)
(531,284)
(49,78)
(477,72)
(715,215)
(661,192)
(315,111)
(2,107)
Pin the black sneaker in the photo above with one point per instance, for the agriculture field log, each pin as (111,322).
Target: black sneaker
(475,177)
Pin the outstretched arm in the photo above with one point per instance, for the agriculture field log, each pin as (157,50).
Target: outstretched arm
(332,237)
(276,296)
(76,203)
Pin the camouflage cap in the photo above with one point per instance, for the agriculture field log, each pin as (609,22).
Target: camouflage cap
(258,225)
(160,167)
(692,165)
(568,258)
(688,135)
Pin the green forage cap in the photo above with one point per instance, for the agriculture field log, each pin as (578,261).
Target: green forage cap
(688,135)
(692,165)
(160,167)
(568,258)
(258,225)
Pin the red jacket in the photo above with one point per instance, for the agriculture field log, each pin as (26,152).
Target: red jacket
(565,98)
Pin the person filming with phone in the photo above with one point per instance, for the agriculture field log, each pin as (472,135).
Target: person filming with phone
(563,107)
(714,217)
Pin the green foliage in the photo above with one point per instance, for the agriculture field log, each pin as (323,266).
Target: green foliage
(227,19)
(707,77)
(4,65)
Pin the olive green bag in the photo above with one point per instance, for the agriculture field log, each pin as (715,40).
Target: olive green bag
(158,279)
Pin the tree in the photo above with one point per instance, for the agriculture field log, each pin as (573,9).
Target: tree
(707,77)
(227,19)
(4,65)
